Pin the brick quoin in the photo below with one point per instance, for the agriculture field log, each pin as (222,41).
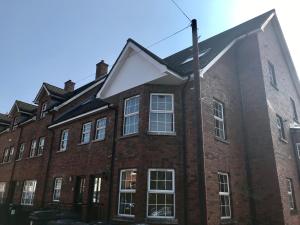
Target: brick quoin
(257,161)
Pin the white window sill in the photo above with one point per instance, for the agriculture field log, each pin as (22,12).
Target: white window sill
(129,135)
(283,140)
(161,220)
(61,151)
(222,140)
(97,140)
(33,157)
(162,133)
(83,143)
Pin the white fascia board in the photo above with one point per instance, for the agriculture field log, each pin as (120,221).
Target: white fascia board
(28,121)
(267,21)
(78,95)
(212,62)
(130,50)
(79,116)
(4,131)
(14,105)
(40,91)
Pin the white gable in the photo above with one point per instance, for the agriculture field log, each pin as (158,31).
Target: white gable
(134,68)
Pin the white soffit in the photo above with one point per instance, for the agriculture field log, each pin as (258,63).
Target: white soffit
(135,67)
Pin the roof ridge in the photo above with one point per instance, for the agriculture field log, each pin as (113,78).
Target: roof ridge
(52,85)
(225,31)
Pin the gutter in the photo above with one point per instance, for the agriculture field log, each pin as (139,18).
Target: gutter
(10,192)
(48,164)
(79,94)
(79,116)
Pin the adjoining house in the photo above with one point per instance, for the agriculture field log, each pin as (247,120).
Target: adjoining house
(122,147)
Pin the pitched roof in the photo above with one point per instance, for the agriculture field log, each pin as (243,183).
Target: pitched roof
(4,118)
(89,106)
(25,107)
(210,48)
(55,90)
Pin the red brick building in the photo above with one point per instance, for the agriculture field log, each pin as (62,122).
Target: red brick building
(124,146)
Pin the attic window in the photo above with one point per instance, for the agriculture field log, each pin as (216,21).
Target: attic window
(201,53)
(43,110)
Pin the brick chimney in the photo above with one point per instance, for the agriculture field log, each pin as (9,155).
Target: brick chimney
(101,69)
(69,86)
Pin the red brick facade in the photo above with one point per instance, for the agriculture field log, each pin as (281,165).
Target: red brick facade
(257,162)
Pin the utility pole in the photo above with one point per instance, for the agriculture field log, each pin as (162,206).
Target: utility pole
(199,128)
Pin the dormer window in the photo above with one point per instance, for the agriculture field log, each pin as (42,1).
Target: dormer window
(43,110)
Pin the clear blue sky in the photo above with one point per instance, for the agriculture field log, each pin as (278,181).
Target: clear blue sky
(57,40)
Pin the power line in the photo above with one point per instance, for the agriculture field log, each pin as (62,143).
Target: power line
(181,10)
(149,46)
(163,39)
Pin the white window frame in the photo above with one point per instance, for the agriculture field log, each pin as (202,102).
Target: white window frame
(64,137)
(225,194)
(85,132)
(132,191)
(57,189)
(130,115)
(33,148)
(96,191)
(11,154)
(2,191)
(21,151)
(100,128)
(280,127)
(28,193)
(150,191)
(272,74)
(290,193)
(298,150)
(222,120)
(6,155)
(41,146)
(172,111)
(43,110)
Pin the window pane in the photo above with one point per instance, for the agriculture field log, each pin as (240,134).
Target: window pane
(131,115)
(127,192)
(161,204)
(161,113)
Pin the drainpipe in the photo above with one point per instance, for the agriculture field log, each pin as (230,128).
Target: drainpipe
(112,163)
(183,153)
(48,163)
(10,194)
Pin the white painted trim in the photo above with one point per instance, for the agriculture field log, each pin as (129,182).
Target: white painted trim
(267,22)
(7,124)
(226,194)
(162,111)
(136,50)
(79,94)
(212,62)
(173,191)
(79,116)
(43,87)
(125,191)
(131,114)
(27,121)
(6,130)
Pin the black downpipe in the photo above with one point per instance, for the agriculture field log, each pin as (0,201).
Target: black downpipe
(183,153)
(10,194)
(112,164)
(48,163)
